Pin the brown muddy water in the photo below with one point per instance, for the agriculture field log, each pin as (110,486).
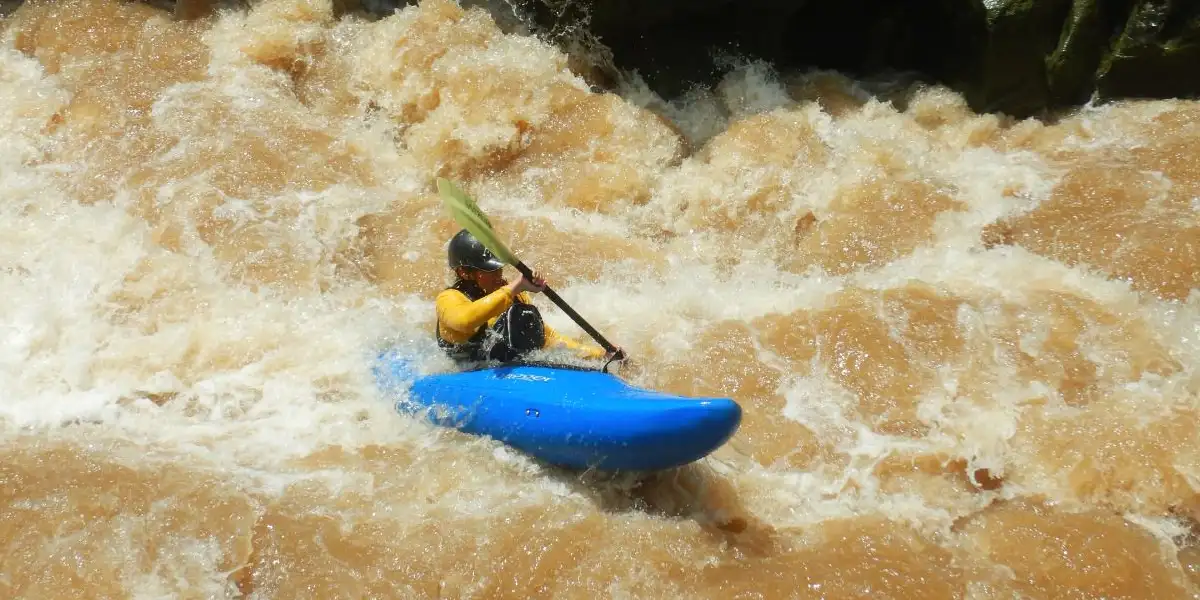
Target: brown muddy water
(966,347)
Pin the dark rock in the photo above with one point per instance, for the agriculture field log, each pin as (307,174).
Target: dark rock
(1157,54)
(1071,68)
(1020,57)
(675,45)
(1020,35)
(866,37)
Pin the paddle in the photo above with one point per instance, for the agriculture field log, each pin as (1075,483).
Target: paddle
(470,217)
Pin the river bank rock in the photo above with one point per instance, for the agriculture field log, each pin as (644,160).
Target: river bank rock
(1018,57)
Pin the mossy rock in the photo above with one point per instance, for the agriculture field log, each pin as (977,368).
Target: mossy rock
(1013,70)
(1071,68)
(1157,54)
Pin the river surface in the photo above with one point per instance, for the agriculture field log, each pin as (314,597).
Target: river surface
(966,346)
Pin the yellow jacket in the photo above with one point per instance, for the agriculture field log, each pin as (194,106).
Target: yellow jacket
(459,319)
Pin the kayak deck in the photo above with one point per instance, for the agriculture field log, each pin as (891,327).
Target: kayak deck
(570,417)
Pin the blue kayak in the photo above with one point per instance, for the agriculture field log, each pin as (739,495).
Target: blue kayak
(567,416)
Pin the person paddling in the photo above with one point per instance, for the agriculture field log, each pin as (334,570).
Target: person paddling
(484,317)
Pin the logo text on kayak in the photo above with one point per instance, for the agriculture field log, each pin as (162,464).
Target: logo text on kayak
(526,377)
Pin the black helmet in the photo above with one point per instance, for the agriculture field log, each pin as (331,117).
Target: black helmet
(466,251)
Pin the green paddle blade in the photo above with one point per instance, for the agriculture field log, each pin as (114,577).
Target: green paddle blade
(468,216)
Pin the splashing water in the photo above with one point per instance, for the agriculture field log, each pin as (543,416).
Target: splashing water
(967,347)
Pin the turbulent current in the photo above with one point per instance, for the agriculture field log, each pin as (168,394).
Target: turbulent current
(966,346)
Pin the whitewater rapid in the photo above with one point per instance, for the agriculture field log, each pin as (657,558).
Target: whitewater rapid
(966,346)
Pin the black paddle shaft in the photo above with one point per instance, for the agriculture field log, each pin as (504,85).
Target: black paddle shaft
(554,297)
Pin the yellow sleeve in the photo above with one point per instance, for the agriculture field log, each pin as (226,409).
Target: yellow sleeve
(460,318)
(554,338)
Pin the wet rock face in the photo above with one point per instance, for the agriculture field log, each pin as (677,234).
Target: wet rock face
(1157,52)
(1020,57)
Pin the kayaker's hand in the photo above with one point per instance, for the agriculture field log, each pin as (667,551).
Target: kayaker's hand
(618,354)
(524,285)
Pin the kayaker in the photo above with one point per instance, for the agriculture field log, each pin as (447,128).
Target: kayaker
(483,316)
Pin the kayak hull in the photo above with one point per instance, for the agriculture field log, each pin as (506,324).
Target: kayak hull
(566,416)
